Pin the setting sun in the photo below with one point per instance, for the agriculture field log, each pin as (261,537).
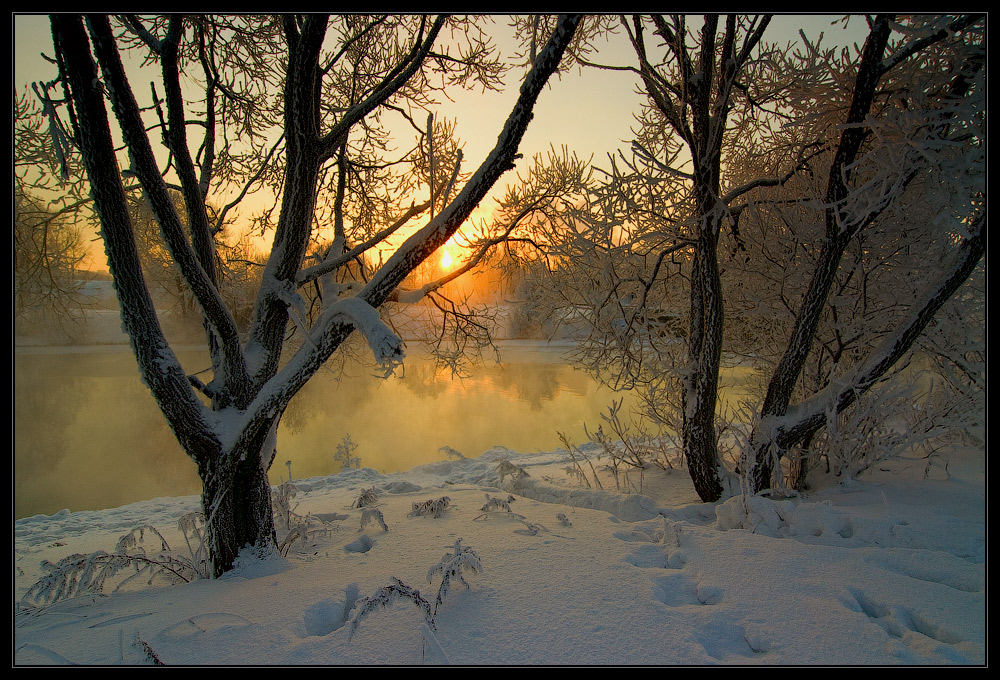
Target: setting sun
(447,261)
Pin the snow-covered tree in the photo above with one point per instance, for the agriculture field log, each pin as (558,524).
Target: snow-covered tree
(826,203)
(658,220)
(903,215)
(295,103)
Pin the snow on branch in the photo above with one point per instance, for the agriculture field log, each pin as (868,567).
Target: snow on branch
(809,415)
(384,343)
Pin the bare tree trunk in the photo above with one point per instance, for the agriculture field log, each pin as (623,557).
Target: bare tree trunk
(704,357)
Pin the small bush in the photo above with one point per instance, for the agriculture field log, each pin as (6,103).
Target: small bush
(373,516)
(345,454)
(368,497)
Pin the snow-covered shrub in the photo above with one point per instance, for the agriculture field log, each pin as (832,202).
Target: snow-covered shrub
(302,528)
(505,468)
(130,563)
(449,452)
(451,566)
(191,525)
(385,596)
(631,452)
(906,414)
(149,656)
(494,503)
(367,502)
(281,498)
(291,526)
(372,515)
(628,447)
(367,497)
(758,514)
(884,423)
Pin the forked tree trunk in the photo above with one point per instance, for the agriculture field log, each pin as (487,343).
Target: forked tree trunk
(812,414)
(840,229)
(767,448)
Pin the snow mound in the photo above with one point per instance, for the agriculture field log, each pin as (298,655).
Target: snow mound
(254,563)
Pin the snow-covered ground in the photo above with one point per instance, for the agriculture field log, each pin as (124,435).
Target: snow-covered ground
(888,568)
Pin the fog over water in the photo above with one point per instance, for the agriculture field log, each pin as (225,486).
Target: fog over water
(88,434)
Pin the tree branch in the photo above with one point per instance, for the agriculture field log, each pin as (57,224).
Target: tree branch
(157,363)
(127,113)
(329,333)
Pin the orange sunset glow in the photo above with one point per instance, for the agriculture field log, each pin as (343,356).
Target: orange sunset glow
(447,260)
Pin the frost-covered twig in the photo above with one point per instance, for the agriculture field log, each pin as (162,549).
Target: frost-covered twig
(385,596)
(435,507)
(451,567)
(373,515)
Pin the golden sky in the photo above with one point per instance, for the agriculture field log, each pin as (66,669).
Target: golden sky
(589,112)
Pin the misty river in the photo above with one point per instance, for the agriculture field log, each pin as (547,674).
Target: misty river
(88,435)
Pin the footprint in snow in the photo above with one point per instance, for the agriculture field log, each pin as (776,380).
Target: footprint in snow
(204,623)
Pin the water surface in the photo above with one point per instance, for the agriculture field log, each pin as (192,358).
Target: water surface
(88,434)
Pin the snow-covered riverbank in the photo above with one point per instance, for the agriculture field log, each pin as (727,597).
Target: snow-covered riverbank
(886,569)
